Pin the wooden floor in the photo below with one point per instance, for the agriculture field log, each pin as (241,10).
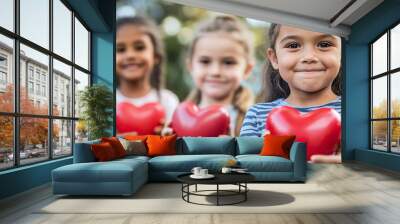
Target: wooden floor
(379,189)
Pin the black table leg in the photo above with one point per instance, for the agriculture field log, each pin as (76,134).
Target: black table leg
(188,189)
(245,193)
(243,189)
(217,194)
(182,190)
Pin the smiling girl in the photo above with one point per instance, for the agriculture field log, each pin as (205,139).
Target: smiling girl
(139,62)
(304,73)
(220,57)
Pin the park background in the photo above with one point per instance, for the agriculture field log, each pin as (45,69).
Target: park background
(177,24)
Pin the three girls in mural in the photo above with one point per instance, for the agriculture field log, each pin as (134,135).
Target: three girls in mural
(300,94)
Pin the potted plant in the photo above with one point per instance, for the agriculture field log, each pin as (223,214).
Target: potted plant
(96,103)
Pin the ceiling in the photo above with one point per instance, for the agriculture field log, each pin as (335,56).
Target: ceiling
(327,16)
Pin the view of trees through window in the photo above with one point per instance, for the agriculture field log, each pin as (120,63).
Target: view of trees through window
(40,82)
(385,92)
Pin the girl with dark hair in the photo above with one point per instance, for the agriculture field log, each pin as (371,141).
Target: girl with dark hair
(139,67)
(303,72)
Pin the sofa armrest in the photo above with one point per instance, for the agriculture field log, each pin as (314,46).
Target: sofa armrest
(83,153)
(298,155)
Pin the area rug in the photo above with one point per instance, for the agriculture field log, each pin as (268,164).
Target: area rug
(167,198)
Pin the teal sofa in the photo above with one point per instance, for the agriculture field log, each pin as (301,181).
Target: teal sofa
(125,176)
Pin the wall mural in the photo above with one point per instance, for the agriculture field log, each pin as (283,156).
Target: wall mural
(192,72)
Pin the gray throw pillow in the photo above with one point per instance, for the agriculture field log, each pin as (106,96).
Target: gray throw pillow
(137,148)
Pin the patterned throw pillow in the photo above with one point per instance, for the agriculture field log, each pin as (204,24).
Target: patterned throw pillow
(136,147)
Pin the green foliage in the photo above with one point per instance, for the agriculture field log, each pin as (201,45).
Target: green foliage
(96,102)
(177,77)
(380,127)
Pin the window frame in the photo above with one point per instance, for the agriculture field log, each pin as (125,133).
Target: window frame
(16,115)
(3,71)
(5,58)
(388,74)
(3,74)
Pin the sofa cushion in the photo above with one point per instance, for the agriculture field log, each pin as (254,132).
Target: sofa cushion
(116,145)
(134,147)
(135,137)
(83,152)
(112,171)
(257,163)
(249,145)
(206,145)
(133,157)
(277,145)
(161,145)
(103,152)
(185,163)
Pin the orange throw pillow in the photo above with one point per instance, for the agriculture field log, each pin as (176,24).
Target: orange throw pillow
(116,145)
(103,152)
(277,145)
(136,137)
(161,145)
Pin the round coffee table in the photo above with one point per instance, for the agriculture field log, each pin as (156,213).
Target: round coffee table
(238,179)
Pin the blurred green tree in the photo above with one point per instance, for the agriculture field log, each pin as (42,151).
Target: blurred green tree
(178,24)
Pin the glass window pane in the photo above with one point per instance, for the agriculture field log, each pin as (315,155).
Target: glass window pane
(62,138)
(81,45)
(6,142)
(395,136)
(62,89)
(33,139)
(379,135)
(62,29)
(34,78)
(7,14)
(81,81)
(6,74)
(35,21)
(395,94)
(379,55)
(81,131)
(395,47)
(379,97)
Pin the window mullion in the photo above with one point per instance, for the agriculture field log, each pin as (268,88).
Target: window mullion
(73,82)
(371,97)
(389,104)
(50,81)
(16,84)
(89,55)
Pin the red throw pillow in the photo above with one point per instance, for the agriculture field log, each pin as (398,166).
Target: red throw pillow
(277,145)
(103,152)
(116,145)
(161,145)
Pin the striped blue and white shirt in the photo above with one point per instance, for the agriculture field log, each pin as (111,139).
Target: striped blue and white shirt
(256,116)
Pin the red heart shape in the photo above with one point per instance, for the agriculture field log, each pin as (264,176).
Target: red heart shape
(320,128)
(189,120)
(141,119)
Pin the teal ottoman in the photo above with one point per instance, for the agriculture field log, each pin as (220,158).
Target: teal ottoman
(118,177)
